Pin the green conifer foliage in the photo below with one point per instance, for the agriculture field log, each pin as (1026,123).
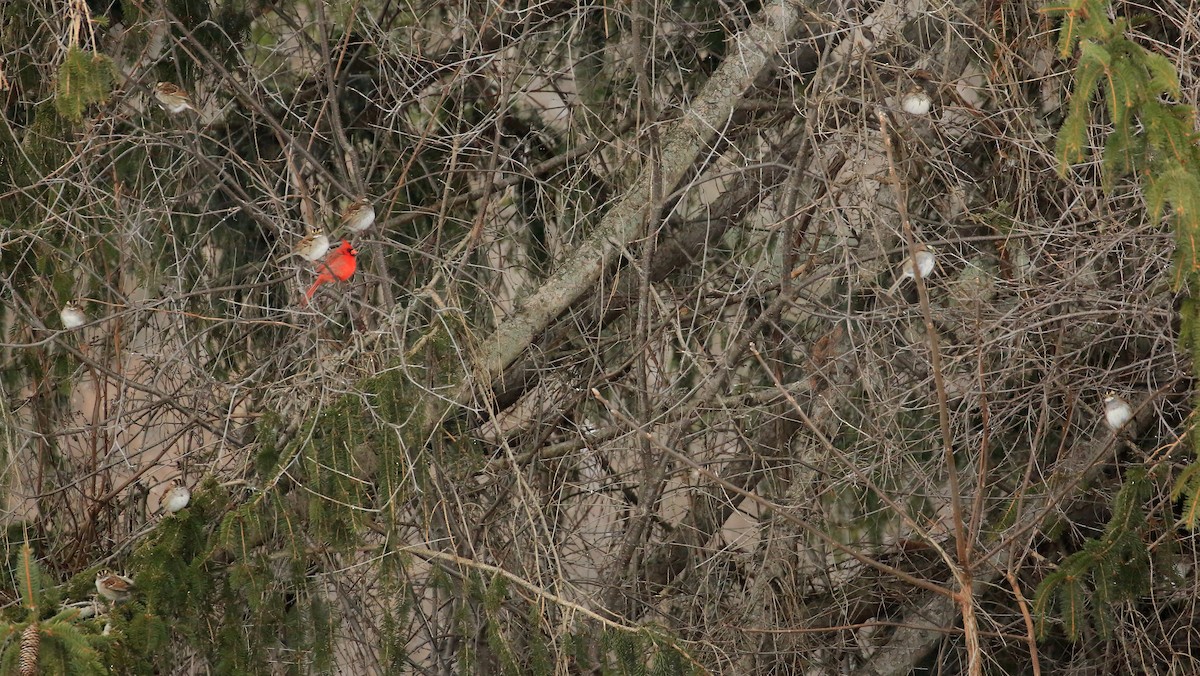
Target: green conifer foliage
(84,79)
(64,643)
(1110,569)
(1152,138)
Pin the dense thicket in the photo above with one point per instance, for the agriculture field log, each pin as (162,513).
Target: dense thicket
(630,377)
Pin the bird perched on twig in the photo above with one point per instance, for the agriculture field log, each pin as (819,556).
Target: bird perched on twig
(916,101)
(72,316)
(925,263)
(311,247)
(173,98)
(114,587)
(176,498)
(340,265)
(358,215)
(1117,411)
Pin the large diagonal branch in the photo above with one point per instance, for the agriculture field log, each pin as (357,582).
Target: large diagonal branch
(683,142)
(685,243)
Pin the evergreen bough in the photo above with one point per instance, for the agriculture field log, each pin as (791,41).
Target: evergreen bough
(54,645)
(1152,139)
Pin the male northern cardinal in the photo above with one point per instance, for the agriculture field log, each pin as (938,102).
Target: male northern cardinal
(339,265)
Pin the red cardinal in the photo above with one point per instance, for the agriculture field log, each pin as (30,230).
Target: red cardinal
(338,265)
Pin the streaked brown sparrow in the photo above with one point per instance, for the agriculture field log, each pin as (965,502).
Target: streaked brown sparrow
(312,247)
(72,316)
(916,101)
(925,263)
(176,498)
(1117,411)
(114,587)
(174,99)
(358,215)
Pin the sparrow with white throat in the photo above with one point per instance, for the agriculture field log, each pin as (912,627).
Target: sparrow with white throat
(916,101)
(925,262)
(1117,411)
(72,316)
(176,498)
(358,215)
(311,247)
(173,98)
(114,587)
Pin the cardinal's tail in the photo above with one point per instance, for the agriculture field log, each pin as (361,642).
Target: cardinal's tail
(321,279)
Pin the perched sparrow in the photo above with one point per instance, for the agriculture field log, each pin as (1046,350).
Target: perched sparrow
(176,498)
(312,247)
(916,101)
(339,266)
(172,98)
(925,263)
(358,216)
(1117,411)
(72,317)
(114,587)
